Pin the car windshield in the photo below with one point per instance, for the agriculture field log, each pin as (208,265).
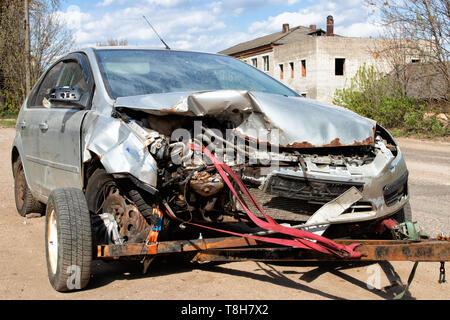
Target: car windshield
(140,72)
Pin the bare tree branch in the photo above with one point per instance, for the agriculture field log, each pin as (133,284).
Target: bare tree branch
(416,28)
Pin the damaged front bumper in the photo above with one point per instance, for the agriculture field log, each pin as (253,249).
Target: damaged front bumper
(366,157)
(383,184)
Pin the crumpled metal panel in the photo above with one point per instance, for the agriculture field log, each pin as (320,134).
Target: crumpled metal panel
(304,123)
(301,123)
(120,149)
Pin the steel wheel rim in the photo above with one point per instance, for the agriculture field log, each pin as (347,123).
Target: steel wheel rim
(52,241)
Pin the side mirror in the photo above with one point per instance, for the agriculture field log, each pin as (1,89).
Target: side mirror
(64,94)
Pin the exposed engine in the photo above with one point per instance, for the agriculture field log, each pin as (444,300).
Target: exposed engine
(189,183)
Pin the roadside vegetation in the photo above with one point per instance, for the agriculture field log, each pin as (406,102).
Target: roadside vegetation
(414,98)
(380,97)
(27,52)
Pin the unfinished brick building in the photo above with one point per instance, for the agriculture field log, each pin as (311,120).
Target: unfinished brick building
(311,61)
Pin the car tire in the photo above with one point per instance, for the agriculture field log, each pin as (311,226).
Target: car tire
(25,202)
(100,180)
(405,214)
(68,240)
(97,183)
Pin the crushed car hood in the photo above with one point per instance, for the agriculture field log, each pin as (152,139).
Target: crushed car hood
(300,122)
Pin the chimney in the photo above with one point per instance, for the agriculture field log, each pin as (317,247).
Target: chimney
(285,27)
(330,26)
(313,27)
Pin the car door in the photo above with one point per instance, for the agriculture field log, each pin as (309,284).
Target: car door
(60,142)
(33,114)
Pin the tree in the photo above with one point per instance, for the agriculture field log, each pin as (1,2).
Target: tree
(380,97)
(49,37)
(113,43)
(416,29)
(12,50)
(48,40)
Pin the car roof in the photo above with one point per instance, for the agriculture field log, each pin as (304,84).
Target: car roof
(98,48)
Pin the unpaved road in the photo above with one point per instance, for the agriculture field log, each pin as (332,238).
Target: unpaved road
(24,275)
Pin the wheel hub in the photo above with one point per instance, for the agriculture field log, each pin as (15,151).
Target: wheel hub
(132,226)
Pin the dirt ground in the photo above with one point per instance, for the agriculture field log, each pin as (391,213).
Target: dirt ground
(24,274)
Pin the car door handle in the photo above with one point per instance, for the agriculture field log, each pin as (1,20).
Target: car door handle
(22,124)
(43,126)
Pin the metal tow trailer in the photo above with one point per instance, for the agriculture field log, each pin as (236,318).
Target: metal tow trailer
(239,249)
(231,249)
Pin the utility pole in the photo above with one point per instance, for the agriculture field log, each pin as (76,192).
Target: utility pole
(27,47)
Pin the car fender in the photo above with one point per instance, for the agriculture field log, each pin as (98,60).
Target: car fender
(120,150)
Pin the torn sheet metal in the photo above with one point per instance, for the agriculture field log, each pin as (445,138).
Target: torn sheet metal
(120,149)
(300,122)
(332,210)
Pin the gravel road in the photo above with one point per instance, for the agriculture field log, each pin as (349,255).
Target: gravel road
(24,274)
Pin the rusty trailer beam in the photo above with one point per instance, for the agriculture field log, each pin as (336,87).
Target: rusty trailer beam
(423,251)
(238,249)
(166,247)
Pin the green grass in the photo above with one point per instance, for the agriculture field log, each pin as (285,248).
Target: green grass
(7,123)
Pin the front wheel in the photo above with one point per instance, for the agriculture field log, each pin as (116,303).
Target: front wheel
(68,240)
(405,214)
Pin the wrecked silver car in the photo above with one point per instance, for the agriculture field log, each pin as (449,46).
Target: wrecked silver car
(131,146)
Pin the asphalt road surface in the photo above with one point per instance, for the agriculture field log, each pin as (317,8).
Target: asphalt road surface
(24,272)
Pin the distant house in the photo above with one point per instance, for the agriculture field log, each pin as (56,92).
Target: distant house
(424,81)
(311,61)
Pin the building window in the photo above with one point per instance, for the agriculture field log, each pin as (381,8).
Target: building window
(339,69)
(281,72)
(266,63)
(303,68)
(291,65)
(255,62)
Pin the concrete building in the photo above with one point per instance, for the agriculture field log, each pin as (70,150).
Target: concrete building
(311,61)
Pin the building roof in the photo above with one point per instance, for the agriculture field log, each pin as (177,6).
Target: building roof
(292,35)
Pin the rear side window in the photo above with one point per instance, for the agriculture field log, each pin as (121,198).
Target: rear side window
(49,82)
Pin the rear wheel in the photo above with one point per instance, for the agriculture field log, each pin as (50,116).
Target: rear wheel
(68,240)
(25,202)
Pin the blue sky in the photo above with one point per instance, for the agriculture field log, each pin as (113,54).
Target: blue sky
(208,25)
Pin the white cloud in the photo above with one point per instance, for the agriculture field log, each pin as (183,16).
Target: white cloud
(273,24)
(362,29)
(73,17)
(351,18)
(209,26)
(104,3)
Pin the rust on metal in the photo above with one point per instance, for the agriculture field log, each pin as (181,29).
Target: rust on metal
(307,145)
(206,184)
(106,251)
(123,250)
(443,238)
(237,248)
(427,251)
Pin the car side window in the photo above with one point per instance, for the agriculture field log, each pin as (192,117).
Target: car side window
(48,83)
(72,75)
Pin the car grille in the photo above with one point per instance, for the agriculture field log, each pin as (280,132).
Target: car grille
(308,189)
(285,209)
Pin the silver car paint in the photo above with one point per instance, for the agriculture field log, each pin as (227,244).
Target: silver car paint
(122,150)
(301,122)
